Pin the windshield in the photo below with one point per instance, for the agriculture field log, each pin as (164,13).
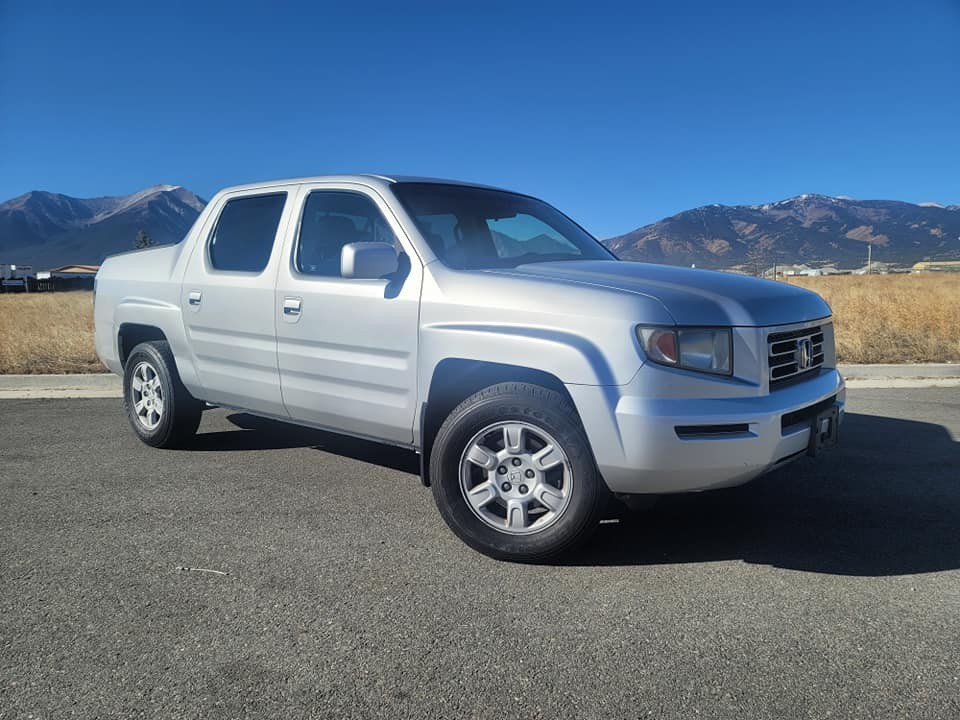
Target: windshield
(471,228)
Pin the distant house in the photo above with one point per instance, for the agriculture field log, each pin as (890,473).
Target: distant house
(937,266)
(789,271)
(68,277)
(22,278)
(13,278)
(14,272)
(74,270)
(875,268)
(831,270)
(803,271)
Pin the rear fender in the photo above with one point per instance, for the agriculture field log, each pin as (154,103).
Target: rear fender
(167,318)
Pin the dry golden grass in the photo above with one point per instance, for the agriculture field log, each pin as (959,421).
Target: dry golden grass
(47,333)
(893,318)
(878,319)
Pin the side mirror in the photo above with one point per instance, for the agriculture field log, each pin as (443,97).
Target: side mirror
(367,260)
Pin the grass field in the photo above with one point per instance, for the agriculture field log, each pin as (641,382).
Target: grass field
(47,333)
(893,318)
(878,319)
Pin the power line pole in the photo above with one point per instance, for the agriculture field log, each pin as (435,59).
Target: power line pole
(869,258)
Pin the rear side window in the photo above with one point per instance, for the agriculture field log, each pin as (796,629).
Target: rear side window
(245,232)
(332,219)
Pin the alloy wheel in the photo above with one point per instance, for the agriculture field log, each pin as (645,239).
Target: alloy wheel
(516,477)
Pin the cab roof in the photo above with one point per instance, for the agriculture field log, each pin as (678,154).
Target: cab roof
(369,179)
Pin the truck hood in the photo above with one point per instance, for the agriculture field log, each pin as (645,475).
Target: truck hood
(692,297)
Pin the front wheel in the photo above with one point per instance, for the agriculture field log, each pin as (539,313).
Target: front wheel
(513,475)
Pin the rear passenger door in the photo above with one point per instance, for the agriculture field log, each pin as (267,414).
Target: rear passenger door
(227,300)
(347,347)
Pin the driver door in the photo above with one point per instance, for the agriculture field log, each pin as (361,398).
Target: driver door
(347,348)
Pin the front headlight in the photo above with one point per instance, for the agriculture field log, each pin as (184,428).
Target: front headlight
(707,350)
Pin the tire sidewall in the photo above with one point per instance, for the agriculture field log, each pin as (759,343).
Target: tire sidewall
(462,426)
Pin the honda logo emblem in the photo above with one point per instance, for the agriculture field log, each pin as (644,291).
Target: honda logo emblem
(804,353)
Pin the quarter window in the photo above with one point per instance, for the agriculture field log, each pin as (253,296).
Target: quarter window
(332,219)
(245,233)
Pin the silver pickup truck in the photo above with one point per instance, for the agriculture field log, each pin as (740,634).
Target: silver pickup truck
(535,373)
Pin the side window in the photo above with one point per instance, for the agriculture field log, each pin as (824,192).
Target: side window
(245,232)
(332,219)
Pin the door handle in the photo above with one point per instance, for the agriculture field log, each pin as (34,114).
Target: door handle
(291,306)
(194,297)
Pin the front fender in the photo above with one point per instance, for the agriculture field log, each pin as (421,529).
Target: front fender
(570,357)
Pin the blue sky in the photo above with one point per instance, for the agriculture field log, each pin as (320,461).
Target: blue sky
(619,113)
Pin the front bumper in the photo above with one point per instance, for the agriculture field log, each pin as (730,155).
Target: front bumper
(669,445)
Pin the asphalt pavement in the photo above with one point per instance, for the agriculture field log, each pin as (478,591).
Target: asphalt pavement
(322,582)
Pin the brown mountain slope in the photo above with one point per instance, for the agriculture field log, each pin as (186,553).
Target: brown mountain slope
(807,228)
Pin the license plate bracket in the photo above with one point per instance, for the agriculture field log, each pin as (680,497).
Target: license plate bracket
(824,431)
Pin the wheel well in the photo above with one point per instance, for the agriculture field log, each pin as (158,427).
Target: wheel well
(454,380)
(132,334)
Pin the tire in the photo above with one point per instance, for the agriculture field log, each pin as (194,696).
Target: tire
(467,453)
(160,410)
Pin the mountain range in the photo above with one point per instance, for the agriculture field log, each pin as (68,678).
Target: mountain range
(802,229)
(46,229)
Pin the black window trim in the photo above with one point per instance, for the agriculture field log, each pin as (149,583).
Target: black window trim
(259,193)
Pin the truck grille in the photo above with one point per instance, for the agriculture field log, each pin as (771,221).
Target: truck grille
(794,354)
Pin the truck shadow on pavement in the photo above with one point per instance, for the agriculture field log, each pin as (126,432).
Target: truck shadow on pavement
(885,502)
(256,433)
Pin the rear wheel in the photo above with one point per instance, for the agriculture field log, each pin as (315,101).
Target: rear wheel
(160,410)
(513,475)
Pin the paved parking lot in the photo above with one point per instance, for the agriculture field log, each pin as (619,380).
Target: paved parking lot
(829,587)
